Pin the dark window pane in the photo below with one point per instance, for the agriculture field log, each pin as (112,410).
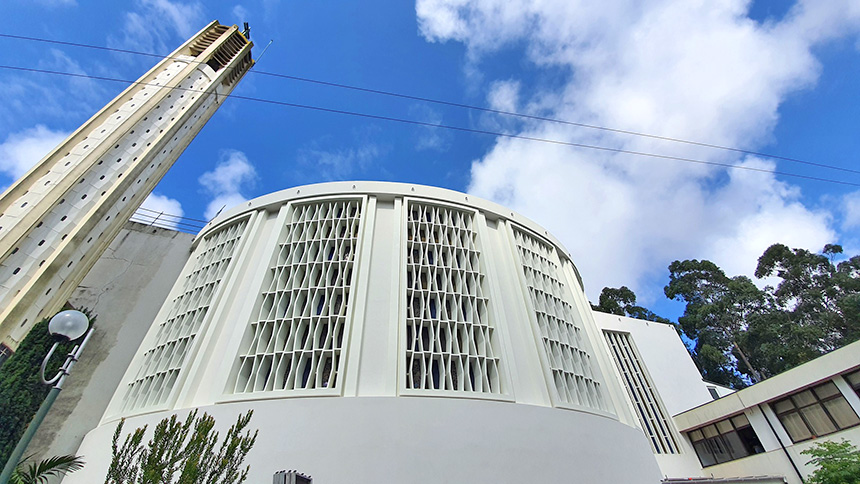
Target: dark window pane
(721,452)
(735,445)
(710,431)
(750,440)
(703,450)
(795,427)
(854,379)
(740,421)
(818,420)
(826,390)
(842,412)
(783,406)
(724,426)
(804,398)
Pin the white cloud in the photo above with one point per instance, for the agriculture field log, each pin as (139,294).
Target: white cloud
(160,210)
(338,164)
(322,160)
(233,173)
(21,151)
(851,211)
(159,26)
(692,70)
(240,14)
(61,99)
(504,95)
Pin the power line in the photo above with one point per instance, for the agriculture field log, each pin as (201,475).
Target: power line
(451,127)
(465,106)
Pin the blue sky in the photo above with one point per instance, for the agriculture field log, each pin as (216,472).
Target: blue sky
(766,76)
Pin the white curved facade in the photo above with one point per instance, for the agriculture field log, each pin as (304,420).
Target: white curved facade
(377,296)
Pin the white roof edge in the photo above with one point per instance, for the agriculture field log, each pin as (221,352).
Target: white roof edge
(823,368)
(384,190)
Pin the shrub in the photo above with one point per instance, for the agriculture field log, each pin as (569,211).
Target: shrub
(186,448)
(837,462)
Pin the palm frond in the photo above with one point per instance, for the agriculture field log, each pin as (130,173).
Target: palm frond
(40,472)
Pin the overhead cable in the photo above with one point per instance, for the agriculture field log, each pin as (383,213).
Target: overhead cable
(450,127)
(466,106)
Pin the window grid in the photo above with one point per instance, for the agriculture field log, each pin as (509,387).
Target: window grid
(853,379)
(640,389)
(814,412)
(176,334)
(564,343)
(450,341)
(726,440)
(297,340)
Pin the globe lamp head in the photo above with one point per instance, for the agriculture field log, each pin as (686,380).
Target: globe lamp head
(69,324)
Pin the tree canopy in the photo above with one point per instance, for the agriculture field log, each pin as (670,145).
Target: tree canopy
(740,333)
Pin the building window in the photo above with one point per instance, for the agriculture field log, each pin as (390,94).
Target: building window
(725,440)
(450,339)
(650,410)
(175,336)
(853,379)
(814,412)
(297,339)
(574,374)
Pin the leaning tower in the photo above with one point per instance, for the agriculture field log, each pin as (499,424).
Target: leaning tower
(57,219)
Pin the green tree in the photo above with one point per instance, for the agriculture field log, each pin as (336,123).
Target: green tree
(836,462)
(815,294)
(41,472)
(716,315)
(187,448)
(21,390)
(622,301)
(742,333)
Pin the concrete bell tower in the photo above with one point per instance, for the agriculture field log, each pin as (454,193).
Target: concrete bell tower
(59,218)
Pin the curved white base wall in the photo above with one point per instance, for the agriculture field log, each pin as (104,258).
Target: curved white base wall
(416,440)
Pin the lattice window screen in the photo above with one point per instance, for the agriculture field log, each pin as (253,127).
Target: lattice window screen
(571,364)
(450,342)
(649,408)
(165,360)
(297,339)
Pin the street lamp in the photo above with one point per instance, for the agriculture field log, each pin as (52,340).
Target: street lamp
(64,326)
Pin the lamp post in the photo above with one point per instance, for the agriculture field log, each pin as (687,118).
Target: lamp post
(65,326)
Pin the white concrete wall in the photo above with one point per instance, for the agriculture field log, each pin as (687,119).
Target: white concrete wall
(675,375)
(124,290)
(678,383)
(374,440)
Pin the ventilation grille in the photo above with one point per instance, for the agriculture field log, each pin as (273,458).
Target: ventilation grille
(237,71)
(204,41)
(450,343)
(226,51)
(640,389)
(563,339)
(297,340)
(165,360)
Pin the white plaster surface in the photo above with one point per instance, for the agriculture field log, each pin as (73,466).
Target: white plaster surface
(375,440)
(124,290)
(676,377)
